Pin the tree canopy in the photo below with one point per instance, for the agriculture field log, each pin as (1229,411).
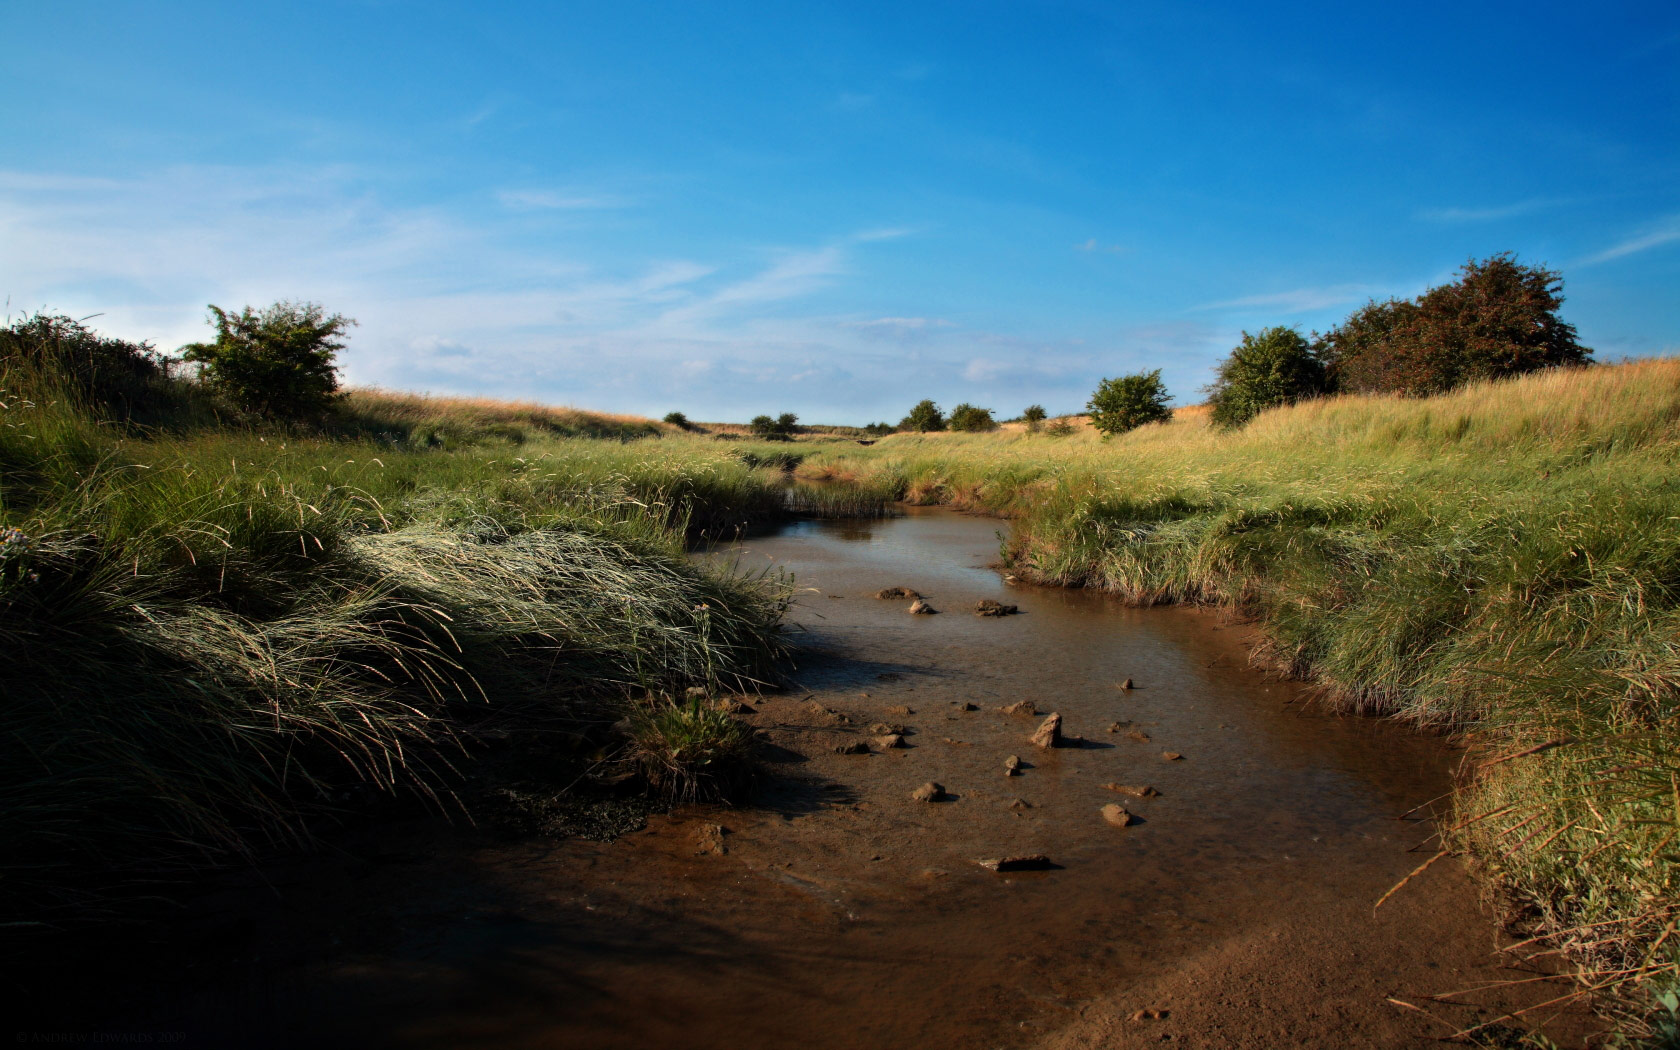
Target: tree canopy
(1275,366)
(1126,403)
(923,418)
(279,362)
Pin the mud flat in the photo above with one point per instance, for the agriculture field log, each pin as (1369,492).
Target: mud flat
(1233,909)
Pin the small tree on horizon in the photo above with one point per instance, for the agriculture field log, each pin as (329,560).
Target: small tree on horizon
(1034,415)
(278,362)
(1126,403)
(677,419)
(972,418)
(780,428)
(924,417)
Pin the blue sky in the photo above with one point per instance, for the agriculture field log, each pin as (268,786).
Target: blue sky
(835,210)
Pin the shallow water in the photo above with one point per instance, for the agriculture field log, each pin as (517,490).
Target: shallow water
(845,914)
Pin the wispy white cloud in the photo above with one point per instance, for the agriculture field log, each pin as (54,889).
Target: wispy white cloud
(1298,300)
(1093,246)
(547,200)
(1486,214)
(901,324)
(1664,231)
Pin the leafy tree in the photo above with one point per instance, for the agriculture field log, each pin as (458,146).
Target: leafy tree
(1500,318)
(677,419)
(972,418)
(278,362)
(923,418)
(1034,415)
(777,429)
(1123,404)
(1273,367)
(880,429)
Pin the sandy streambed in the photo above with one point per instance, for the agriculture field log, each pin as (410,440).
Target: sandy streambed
(839,912)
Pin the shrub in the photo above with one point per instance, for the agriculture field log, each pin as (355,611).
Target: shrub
(1126,403)
(925,417)
(1500,318)
(1273,367)
(1034,416)
(972,418)
(1061,426)
(677,419)
(279,362)
(880,429)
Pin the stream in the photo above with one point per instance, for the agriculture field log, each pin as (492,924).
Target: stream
(839,912)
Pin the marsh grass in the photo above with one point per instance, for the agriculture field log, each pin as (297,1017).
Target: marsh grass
(1503,560)
(690,750)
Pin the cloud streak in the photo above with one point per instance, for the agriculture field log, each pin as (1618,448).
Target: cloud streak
(1665,231)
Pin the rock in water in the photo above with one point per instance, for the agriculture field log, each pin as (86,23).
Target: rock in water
(1049,733)
(1127,685)
(856,747)
(1138,735)
(921,608)
(709,839)
(970,706)
(896,594)
(1172,756)
(1117,815)
(890,740)
(1134,790)
(988,607)
(1021,707)
(1025,862)
(1012,766)
(929,792)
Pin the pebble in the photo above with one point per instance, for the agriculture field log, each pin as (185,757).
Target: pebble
(929,792)
(1117,815)
(1172,756)
(1025,862)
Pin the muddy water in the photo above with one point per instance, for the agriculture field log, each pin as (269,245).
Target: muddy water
(845,914)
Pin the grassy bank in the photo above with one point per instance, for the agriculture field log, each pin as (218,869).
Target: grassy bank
(215,633)
(1504,559)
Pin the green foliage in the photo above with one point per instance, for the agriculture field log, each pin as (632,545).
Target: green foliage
(1061,426)
(1126,403)
(1034,417)
(924,418)
(880,429)
(691,751)
(278,363)
(677,419)
(971,419)
(1276,366)
(780,428)
(1499,319)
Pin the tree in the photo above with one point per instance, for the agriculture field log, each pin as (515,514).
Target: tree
(1034,415)
(1123,404)
(972,418)
(677,419)
(880,429)
(1273,367)
(924,418)
(279,362)
(1499,319)
(778,429)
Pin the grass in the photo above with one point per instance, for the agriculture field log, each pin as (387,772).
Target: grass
(214,635)
(691,751)
(1503,560)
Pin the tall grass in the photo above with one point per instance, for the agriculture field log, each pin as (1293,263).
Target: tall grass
(1502,560)
(209,636)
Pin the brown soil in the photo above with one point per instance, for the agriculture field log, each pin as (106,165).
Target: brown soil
(837,911)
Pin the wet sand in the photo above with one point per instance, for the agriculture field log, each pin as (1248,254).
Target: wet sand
(841,913)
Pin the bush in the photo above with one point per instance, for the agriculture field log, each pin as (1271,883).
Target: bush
(1500,318)
(1061,426)
(277,363)
(1034,416)
(1123,404)
(678,420)
(780,428)
(972,418)
(880,429)
(925,417)
(1274,367)
(692,751)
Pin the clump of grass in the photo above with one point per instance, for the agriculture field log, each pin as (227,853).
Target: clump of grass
(691,751)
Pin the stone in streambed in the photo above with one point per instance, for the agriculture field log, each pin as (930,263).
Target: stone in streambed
(1012,766)
(1020,707)
(890,740)
(1134,790)
(1127,685)
(929,792)
(708,839)
(1139,736)
(1172,756)
(988,607)
(855,747)
(1049,733)
(922,608)
(896,594)
(1117,815)
(1024,862)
